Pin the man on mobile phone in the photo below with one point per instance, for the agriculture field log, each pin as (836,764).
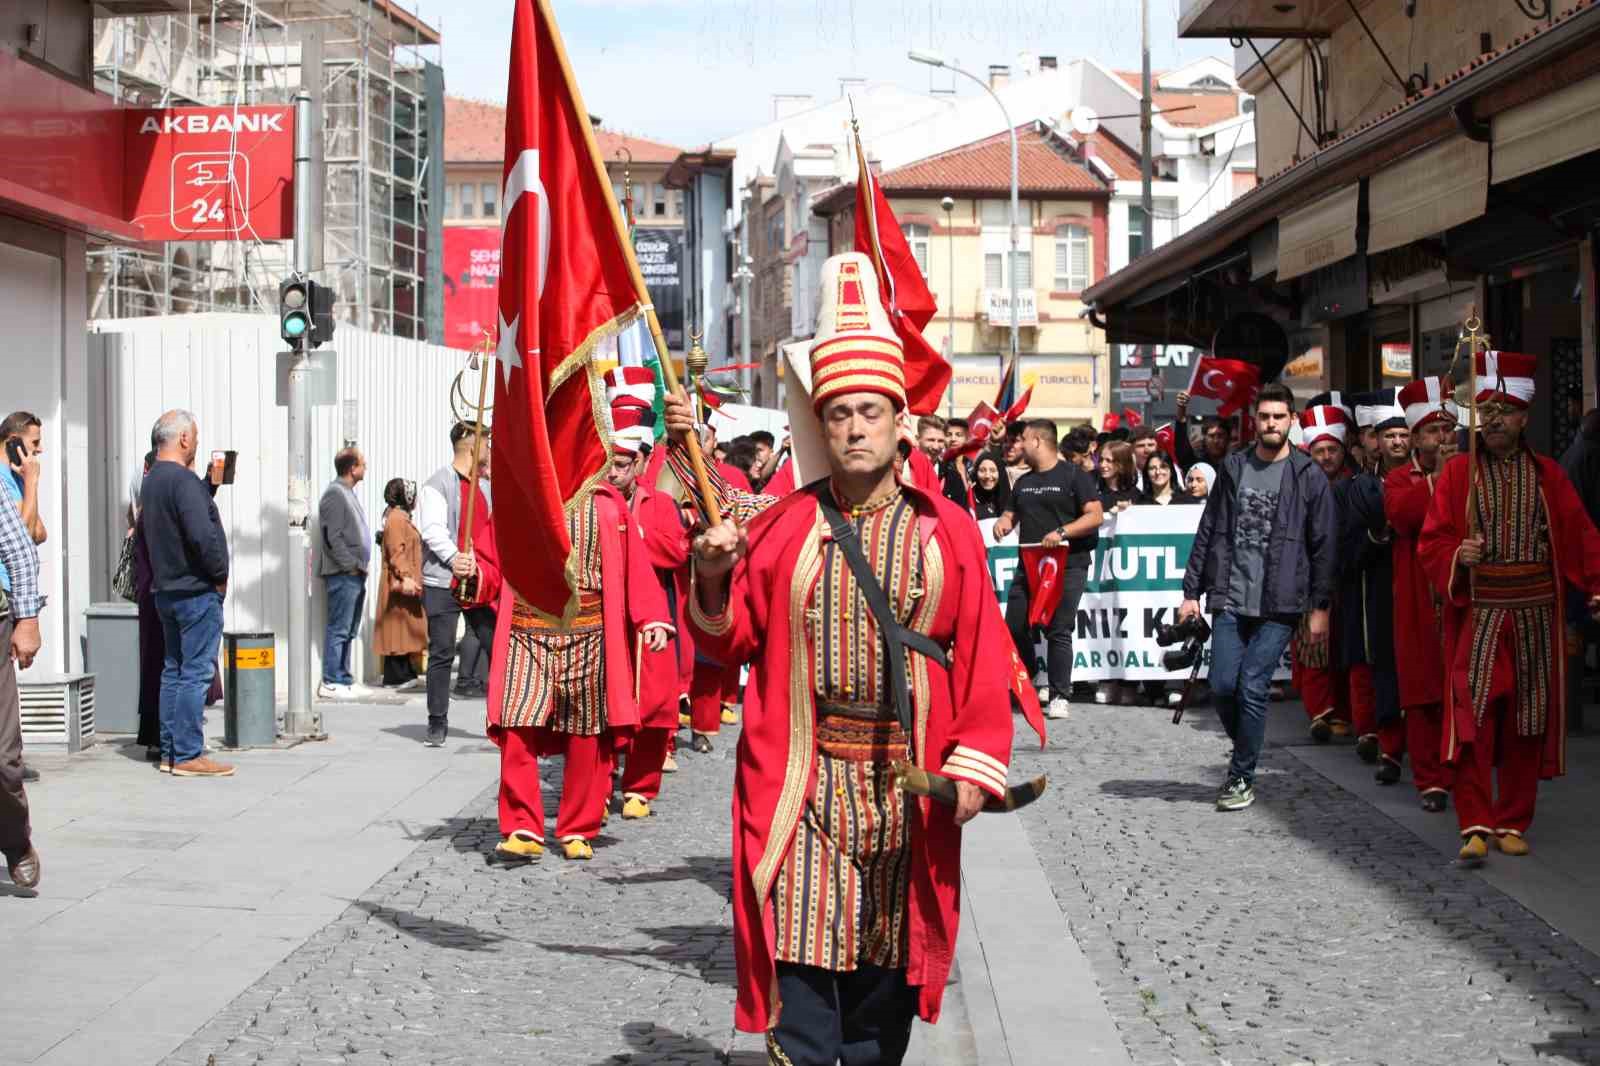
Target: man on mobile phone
(19,636)
(22,434)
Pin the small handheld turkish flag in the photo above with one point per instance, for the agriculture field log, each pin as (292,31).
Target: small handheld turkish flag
(1231,382)
(1167,441)
(1131,418)
(1111,422)
(1043,566)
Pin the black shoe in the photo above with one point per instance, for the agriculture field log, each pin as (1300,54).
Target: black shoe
(1388,772)
(152,754)
(1367,748)
(701,744)
(436,734)
(29,773)
(1434,801)
(469,690)
(1321,730)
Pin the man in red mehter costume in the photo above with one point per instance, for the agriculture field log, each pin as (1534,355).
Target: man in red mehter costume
(1418,622)
(568,689)
(1501,573)
(846,892)
(629,390)
(1324,687)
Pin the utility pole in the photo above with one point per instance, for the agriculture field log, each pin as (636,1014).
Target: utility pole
(949,206)
(1147,240)
(744,274)
(300,716)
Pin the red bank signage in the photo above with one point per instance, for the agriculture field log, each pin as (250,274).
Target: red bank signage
(471,273)
(210,173)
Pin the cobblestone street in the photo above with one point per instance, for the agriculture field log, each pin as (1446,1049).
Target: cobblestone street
(1309,929)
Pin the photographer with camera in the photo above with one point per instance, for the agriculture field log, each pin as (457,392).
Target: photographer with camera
(1265,553)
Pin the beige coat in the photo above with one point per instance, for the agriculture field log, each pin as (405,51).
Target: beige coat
(402,628)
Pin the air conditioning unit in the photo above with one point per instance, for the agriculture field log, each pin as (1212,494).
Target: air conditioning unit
(58,714)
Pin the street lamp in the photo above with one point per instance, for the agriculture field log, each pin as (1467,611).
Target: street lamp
(949,206)
(934,59)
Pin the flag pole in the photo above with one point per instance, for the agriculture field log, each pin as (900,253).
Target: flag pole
(708,495)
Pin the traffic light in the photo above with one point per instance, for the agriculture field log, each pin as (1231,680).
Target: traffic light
(305,313)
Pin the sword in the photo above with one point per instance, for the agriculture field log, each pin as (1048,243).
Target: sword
(919,782)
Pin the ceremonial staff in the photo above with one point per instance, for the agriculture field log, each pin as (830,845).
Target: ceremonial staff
(668,369)
(481,360)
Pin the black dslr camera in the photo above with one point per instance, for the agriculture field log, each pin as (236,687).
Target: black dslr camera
(1191,634)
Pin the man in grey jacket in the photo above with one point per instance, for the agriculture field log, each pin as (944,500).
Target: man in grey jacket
(342,563)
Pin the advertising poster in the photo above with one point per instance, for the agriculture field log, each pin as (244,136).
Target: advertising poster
(471,273)
(1135,586)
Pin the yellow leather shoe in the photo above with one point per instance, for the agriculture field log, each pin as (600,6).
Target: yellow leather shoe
(1511,844)
(683,720)
(520,846)
(636,807)
(577,848)
(729,715)
(1340,727)
(1474,849)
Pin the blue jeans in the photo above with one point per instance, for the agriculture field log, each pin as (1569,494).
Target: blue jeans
(191,623)
(1244,654)
(346,593)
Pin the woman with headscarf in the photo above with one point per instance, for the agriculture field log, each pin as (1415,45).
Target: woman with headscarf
(1199,479)
(991,488)
(401,631)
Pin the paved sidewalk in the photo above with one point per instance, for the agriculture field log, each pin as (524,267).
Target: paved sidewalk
(163,898)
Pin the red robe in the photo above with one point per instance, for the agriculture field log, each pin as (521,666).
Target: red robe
(1418,644)
(630,599)
(963,720)
(666,546)
(1575,557)
(484,549)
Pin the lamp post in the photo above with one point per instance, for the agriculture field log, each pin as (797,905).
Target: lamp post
(949,206)
(933,59)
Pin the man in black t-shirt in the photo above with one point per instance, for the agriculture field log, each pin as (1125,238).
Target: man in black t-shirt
(1055,501)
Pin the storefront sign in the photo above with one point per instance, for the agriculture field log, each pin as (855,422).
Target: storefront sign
(471,265)
(1396,360)
(210,173)
(974,379)
(1135,586)
(1000,307)
(1059,381)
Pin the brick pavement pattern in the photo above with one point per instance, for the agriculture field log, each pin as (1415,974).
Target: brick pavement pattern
(1307,929)
(451,961)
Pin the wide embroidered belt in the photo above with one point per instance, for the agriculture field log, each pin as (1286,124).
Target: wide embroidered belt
(589,615)
(1513,586)
(860,732)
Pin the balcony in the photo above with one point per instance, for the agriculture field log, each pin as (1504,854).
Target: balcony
(996,307)
(1263,18)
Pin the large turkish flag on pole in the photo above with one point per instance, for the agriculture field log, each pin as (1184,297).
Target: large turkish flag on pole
(903,289)
(567,281)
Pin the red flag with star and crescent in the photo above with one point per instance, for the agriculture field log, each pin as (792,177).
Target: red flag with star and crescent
(902,288)
(1228,381)
(567,281)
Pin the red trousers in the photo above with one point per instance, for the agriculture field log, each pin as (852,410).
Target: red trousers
(1425,741)
(1323,690)
(1363,700)
(641,773)
(1517,759)
(585,782)
(713,685)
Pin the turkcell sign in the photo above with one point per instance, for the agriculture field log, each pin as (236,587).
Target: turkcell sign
(210,173)
(1134,587)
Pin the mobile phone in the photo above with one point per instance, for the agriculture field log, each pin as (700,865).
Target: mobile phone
(15,450)
(230,462)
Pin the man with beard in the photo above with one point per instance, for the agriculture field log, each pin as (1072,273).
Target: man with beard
(1264,555)
(845,891)
(1500,570)
(1366,592)
(1418,622)
(1324,689)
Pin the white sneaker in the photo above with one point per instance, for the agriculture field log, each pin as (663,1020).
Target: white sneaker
(416,684)
(1059,708)
(327,691)
(1043,692)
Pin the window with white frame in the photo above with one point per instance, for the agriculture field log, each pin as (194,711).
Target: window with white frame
(917,236)
(469,200)
(1072,258)
(996,276)
(450,201)
(489,194)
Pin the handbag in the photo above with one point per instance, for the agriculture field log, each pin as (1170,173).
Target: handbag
(122,580)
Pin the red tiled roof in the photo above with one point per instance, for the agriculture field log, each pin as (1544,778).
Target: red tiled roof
(1123,160)
(985,166)
(1205,108)
(474,132)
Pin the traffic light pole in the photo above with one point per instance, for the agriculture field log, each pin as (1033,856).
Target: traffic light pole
(301,718)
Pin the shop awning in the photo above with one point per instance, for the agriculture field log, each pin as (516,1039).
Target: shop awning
(1550,130)
(1426,193)
(1320,233)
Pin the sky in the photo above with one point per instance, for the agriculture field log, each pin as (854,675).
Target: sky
(688,72)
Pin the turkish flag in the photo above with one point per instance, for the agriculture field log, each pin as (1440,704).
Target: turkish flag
(1044,567)
(567,281)
(1111,422)
(1167,441)
(1231,382)
(1016,410)
(902,288)
(1131,418)
(980,424)
(1025,694)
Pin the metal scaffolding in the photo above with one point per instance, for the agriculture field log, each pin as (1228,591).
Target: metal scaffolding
(376,96)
